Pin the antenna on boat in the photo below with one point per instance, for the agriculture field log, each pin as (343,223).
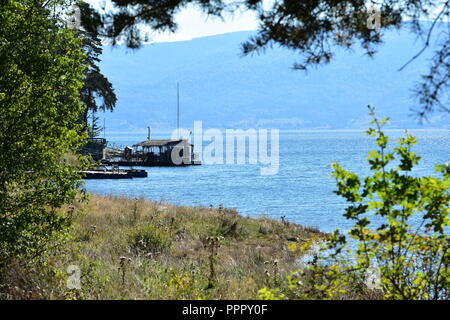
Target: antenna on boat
(178,110)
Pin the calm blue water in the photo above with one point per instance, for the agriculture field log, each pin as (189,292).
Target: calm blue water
(302,190)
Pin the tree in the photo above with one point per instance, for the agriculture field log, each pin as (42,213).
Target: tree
(94,129)
(401,248)
(97,92)
(42,68)
(314,29)
(410,247)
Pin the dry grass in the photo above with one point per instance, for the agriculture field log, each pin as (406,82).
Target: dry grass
(137,249)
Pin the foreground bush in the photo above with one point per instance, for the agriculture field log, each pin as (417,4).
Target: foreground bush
(400,242)
(41,73)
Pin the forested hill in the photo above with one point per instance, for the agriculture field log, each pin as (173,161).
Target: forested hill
(223,89)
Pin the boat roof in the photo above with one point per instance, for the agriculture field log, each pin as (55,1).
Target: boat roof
(158,143)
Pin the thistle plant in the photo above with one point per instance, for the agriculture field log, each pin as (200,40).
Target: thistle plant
(213,245)
(123,264)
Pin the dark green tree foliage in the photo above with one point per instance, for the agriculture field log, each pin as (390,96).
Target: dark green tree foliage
(94,128)
(314,29)
(434,87)
(41,74)
(97,92)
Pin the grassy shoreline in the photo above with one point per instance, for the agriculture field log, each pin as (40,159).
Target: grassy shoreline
(138,249)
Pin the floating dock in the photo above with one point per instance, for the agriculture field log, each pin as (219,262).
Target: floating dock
(113,174)
(126,163)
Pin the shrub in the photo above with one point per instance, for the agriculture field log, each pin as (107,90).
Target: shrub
(406,256)
(148,239)
(42,67)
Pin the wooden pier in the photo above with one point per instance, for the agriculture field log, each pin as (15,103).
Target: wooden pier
(113,174)
(137,163)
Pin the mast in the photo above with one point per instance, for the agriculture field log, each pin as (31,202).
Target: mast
(178,110)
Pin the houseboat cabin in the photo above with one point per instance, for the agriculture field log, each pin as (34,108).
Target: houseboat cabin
(166,152)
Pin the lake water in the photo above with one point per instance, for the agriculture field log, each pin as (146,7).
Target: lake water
(302,190)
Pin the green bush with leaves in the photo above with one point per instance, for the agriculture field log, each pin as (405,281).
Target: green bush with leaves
(400,227)
(148,239)
(41,74)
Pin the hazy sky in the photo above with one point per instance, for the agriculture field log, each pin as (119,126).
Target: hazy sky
(193,24)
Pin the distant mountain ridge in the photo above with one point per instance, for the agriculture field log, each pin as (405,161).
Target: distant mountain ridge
(223,89)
